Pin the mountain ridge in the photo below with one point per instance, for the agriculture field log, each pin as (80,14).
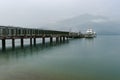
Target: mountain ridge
(101,24)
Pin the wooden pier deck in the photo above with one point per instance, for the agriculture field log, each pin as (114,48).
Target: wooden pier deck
(8,32)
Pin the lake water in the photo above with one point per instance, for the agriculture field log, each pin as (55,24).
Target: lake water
(78,59)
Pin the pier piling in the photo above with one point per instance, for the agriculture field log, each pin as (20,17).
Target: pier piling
(13,43)
(63,38)
(34,41)
(57,39)
(3,44)
(60,39)
(51,39)
(30,41)
(22,42)
(43,40)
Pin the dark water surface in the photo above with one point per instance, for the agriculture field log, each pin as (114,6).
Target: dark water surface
(78,59)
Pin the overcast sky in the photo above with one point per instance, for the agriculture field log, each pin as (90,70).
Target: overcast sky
(40,12)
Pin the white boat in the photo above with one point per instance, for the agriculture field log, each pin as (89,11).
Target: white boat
(90,33)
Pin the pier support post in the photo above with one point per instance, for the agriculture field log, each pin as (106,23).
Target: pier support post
(63,38)
(67,38)
(34,41)
(60,39)
(43,40)
(51,39)
(3,44)
(30,41)
(57,39)
(22,42)
(13,43)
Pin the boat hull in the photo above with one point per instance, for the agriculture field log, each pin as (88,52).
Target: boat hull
(90,35)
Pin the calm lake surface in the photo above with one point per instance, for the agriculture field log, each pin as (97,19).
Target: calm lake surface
(78,59)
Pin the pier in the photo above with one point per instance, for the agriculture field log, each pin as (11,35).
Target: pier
(8,32)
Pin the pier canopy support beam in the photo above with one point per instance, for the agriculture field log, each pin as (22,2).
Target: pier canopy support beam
(3,44)
(22,42)
(13,43)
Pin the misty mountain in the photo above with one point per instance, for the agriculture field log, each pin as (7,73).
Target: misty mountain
(101,24)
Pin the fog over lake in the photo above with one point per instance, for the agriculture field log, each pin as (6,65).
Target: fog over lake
(43,13)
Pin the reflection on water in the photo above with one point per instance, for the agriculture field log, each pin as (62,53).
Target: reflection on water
(18,63)
(78,59)
(28,50)
(89,42)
